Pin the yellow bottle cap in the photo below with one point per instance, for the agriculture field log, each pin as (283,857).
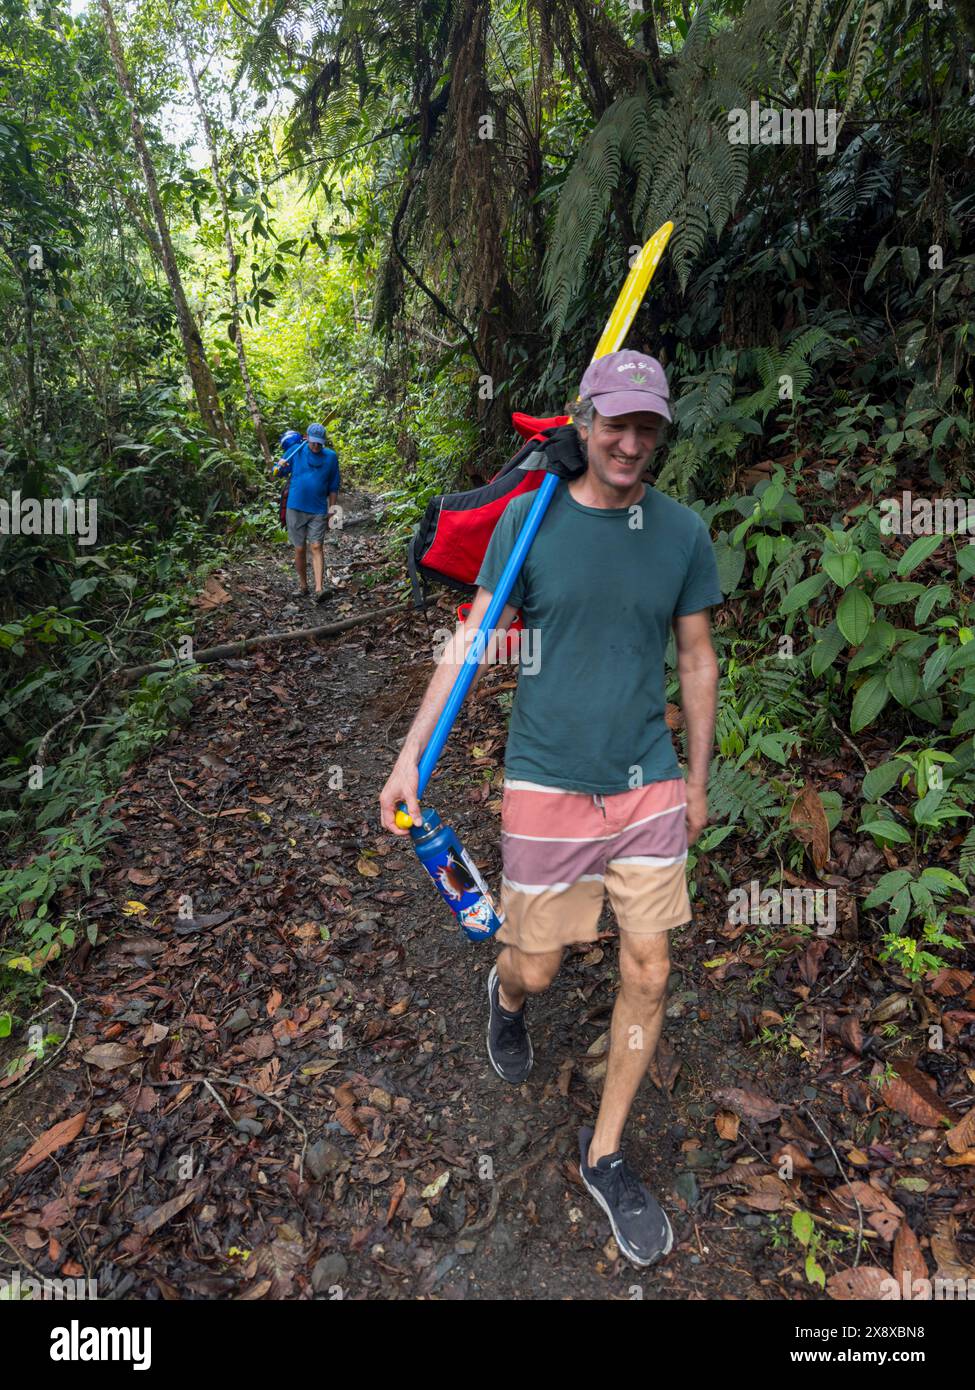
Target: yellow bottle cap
(403,820)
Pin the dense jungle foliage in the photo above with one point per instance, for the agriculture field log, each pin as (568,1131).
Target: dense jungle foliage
(221,220)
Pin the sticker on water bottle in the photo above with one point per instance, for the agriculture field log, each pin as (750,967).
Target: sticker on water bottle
(461,884)
(477,916)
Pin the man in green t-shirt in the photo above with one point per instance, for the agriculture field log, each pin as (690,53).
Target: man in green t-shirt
(594,798)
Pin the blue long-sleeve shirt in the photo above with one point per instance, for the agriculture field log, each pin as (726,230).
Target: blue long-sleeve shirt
(313,477)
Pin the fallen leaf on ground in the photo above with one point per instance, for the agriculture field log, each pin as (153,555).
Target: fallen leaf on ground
(810,826)
(961,1136)
(142,878)
(108,1056)
(751,1104)
(910,1093)
(54,1138)
(864,1283)
(212,595)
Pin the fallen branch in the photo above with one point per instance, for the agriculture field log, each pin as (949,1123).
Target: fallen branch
(65,719)
(265,639)
(125,675)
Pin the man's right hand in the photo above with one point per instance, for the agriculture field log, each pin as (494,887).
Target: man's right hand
(400,786)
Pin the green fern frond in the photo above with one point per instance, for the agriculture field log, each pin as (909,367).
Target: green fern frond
(684,461)
(585,201)
(861,53)
(966,856)
(734,794)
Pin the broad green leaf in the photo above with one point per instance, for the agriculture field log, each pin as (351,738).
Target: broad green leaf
(903,682)
(900,906)
(898,591)
(962,657)
(868,702)
(940,593)
(802,1226)
(842,569)
(803,593)
(911,261)
(941,430)
(887,830)
(731,563)
(827,649)
(965,722)
(833,806)
(854,616)
(886,886)
(944,876)
(881,778)
(879,641)
(917,552)
(935,665)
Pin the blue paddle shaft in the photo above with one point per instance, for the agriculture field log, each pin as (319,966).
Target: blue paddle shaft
(489,622)
(292,452)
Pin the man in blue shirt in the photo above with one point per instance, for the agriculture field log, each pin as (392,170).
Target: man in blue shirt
(314,472)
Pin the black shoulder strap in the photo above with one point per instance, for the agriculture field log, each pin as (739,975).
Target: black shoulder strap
(562,452)
(418,585)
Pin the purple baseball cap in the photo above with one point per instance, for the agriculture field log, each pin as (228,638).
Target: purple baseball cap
(622,383)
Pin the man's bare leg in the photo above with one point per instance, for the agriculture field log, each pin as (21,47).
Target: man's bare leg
(637,1021)
(524,972)
(301,565)
(317,564)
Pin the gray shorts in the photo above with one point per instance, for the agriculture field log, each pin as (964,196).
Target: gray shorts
(305,526)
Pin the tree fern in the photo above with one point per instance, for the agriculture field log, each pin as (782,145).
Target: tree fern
(586,196)
(813,25)
(674,146)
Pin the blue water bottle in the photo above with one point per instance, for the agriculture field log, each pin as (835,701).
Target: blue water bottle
(456,877)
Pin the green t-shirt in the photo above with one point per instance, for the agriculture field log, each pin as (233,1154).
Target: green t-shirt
(597,595)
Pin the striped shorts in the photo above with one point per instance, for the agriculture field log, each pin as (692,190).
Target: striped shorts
(558,849)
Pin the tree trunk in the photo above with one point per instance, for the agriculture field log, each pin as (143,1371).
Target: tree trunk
(199,369)
(30,361)
(235,329)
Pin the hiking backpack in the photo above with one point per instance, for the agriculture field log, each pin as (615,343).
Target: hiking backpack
(449,544)
(291,450)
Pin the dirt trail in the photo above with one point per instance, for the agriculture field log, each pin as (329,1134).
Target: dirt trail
(289,1040)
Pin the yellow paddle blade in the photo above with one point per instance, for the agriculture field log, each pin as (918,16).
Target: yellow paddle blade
(631,295)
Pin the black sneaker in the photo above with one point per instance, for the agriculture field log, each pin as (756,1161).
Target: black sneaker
(508,1044)
(639,1222)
